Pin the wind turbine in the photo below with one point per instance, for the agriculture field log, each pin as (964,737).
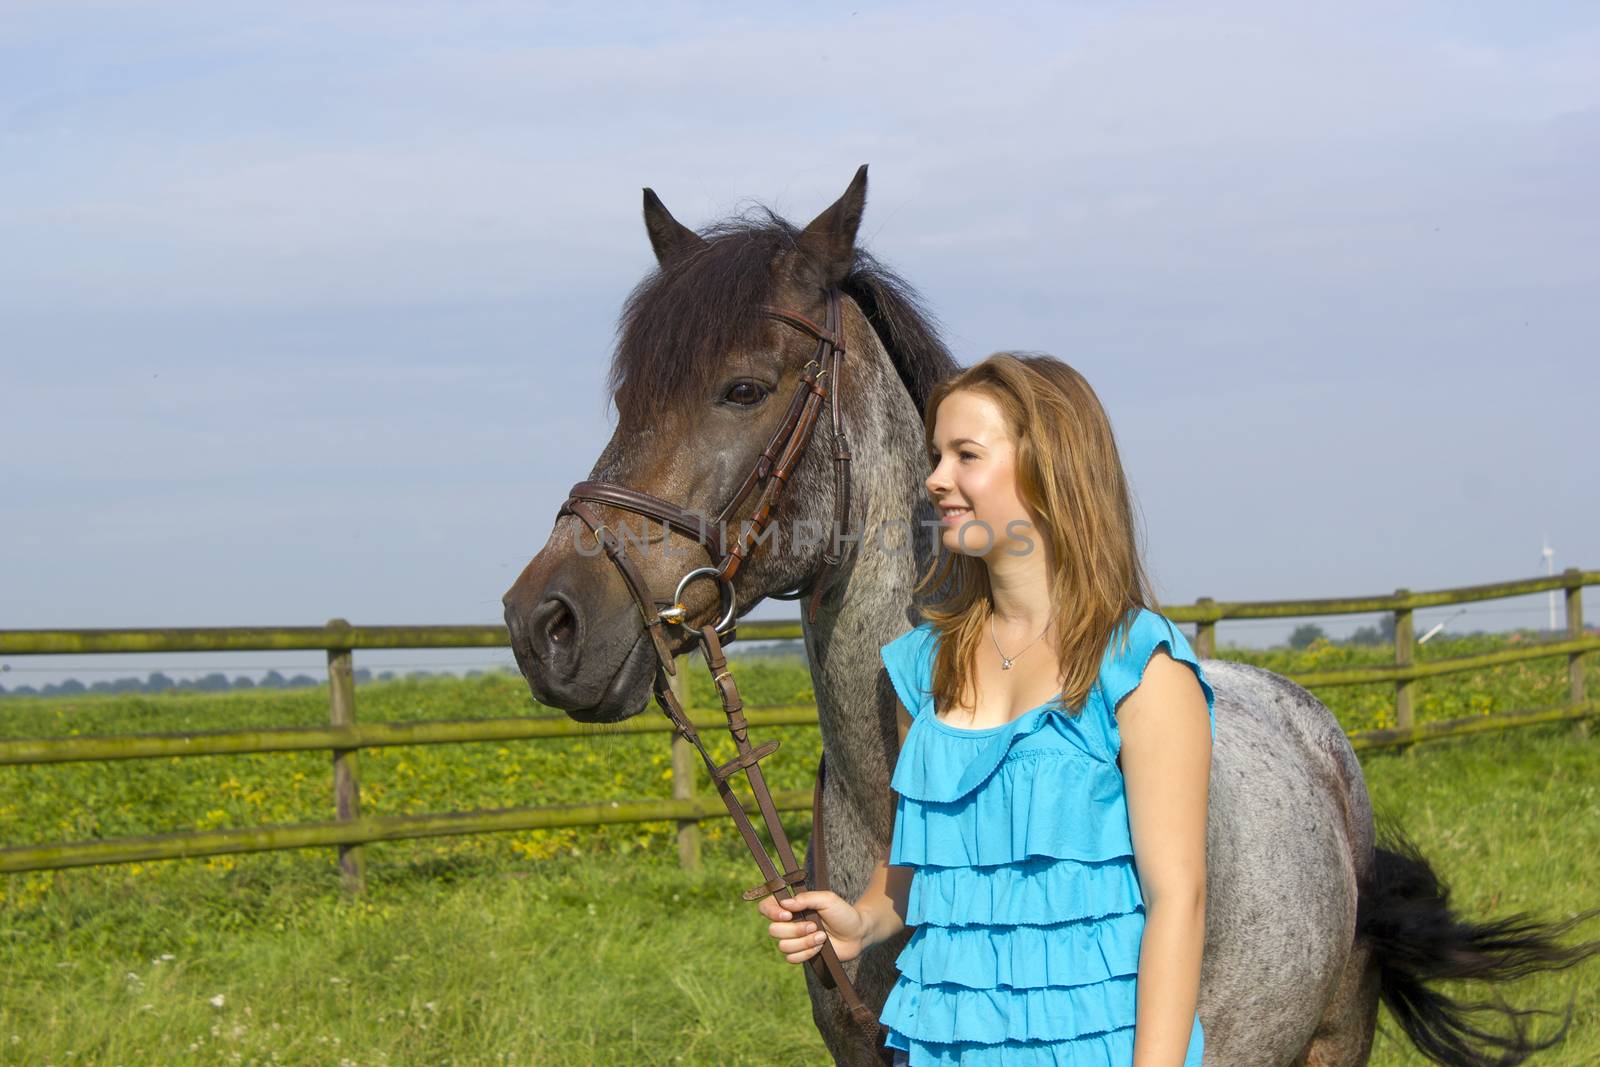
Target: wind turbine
(1550,570)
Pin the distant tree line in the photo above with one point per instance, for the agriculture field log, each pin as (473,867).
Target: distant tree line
(1381,634)
(158,682)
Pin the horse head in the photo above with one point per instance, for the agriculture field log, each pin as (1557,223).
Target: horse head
(726,351)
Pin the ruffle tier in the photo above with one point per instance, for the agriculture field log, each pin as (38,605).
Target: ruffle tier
(1024,957)
(947,1014)
(1113,1048)
(941,764)
(1044,805)
(1039,891)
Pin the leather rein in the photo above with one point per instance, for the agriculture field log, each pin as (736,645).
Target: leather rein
(819,383)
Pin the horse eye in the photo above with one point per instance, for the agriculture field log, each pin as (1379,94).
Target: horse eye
(745,394)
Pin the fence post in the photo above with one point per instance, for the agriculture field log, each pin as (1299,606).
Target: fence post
(346,788)
(1405,654)
(685,761)
(1575,678)
(1205,632)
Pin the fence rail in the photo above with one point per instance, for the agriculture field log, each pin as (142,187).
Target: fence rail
(344,737)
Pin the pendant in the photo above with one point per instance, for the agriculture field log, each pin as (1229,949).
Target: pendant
(1005,664)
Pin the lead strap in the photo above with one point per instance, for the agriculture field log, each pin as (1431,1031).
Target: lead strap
(825,964)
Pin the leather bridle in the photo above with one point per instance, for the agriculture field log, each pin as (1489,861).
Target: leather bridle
(820,383)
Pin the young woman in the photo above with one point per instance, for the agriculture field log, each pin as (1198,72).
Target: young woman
(1050,823)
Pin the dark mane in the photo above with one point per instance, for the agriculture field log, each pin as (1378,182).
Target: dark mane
(680,322)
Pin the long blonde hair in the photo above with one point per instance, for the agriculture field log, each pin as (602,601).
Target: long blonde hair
(1070,475)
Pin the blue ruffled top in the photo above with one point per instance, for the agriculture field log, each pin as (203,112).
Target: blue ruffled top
(1025,900)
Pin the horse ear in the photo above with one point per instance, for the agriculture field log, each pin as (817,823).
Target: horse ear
(830,240)
(669,237)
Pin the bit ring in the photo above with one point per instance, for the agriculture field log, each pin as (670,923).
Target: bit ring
(675,613)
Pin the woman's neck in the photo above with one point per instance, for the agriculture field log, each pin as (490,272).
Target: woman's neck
(1020,586)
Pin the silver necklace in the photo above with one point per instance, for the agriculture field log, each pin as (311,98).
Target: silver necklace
(1007,661)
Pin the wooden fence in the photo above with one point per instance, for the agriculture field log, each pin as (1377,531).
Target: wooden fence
(345,736)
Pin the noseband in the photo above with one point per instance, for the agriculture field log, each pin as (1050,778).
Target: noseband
(820,383)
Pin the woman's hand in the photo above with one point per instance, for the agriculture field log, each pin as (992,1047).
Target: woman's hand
(841,923)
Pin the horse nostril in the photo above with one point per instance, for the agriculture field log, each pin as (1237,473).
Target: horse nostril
(560,626)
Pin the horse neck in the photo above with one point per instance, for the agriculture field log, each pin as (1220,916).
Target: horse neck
(855,704)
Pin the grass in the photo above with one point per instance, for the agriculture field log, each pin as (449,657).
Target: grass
(564,947)
(445,962)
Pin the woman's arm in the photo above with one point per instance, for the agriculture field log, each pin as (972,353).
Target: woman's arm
(876,916)
(1166,768)
(883,905)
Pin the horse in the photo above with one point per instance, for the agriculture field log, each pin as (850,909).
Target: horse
(1310,919)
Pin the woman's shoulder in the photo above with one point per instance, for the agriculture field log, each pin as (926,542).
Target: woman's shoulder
(920,632)
(907,659)
(1131,647)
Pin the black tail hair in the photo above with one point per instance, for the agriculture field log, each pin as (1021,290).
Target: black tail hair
(1404,914)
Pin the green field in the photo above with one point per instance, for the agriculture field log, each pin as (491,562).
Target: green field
(587,946)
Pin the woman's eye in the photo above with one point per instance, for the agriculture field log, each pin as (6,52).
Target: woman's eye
(745,394)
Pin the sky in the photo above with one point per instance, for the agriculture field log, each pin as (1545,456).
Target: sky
(305,309)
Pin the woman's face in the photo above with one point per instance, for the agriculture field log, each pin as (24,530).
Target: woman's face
(974,468)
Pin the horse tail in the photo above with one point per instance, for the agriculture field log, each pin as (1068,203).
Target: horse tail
(1404,914)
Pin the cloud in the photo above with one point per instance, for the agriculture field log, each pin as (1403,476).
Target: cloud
(450,154)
